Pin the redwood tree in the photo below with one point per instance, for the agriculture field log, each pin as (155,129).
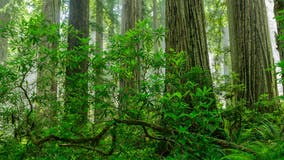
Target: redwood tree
(185,22)
(76,82)
(4,18)
(99,24)
(131,14)
(46,81)
(278,6)
(251,51)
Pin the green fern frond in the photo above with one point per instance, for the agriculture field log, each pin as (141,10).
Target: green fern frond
(239,156)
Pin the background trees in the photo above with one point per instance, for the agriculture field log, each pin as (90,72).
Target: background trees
(47,59)
(129,85)
(76,82)
(4,18)
(136,80)
(99,24)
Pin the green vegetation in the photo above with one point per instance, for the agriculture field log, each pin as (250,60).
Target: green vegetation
(160,115)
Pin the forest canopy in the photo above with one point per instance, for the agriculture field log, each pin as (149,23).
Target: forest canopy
(141,79)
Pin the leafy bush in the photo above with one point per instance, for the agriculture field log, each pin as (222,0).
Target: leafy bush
(137,121)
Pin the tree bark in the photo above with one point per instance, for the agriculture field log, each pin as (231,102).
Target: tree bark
(46,81)
(112,16)
(99,24)
(251,51)
(278,6)
(155,22)
(131,14)
(185,21)
(99,48)
(185,24)
(76,82)
(4,19)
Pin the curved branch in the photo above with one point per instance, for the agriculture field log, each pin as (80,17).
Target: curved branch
(216,141)
(28,120)
(92,140)
(96,139)
(110,152)
(146,124)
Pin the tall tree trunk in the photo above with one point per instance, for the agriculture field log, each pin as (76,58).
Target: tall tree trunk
(163,21)
(185,21)
(112,16)
(99,24)
(46,81)
(4,19)
(251,51)
(99,48)
(155,21)
(278,6)
(131,14)
(76,82)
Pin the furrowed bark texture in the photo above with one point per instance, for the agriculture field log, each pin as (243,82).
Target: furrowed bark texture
(99,48)
(155,23)
(185,21)
(251,51)
(131,14)
(278,6)
(99,23)
(185,24)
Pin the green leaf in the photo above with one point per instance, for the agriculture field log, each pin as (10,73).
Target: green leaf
(177,94)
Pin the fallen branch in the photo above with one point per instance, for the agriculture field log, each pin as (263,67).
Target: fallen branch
(216,141)
(96,139)
(146,124)
(92,148)
(92,140)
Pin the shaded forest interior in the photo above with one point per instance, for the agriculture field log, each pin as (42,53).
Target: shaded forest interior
(141,79)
